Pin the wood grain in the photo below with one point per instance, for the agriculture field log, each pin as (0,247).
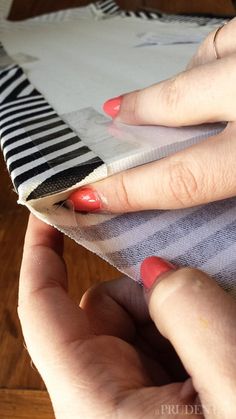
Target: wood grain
(208,7)
(22,9)
(25,404)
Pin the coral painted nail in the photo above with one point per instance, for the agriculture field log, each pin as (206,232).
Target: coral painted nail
(112,106)
(152,268)
(85,200)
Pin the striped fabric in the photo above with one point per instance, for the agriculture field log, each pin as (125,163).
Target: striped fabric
(201,237)
(163,17)
(39,147)
(106,8)
(45,158)
(110,7)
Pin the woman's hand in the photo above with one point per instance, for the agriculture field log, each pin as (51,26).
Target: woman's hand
(225,44)
(203,173)
(120,354)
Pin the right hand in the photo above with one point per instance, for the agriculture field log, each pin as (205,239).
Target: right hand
(198,318)
(202,173)
(225,42)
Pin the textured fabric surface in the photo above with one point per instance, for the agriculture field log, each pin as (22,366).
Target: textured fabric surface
(48,153)
(43,154)
(202,237)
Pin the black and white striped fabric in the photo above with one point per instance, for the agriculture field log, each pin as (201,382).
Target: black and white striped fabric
(39,147)
(107,8)
(166,18)
(110,7)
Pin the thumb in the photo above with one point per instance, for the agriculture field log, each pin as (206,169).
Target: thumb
(198,318)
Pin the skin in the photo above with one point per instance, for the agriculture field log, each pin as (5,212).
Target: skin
(124,352)
(204,92)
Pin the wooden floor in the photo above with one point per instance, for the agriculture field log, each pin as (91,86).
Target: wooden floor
(22,392)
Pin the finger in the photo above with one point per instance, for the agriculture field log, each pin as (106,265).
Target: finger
(191,177)
(75,369)
(203,94)
(76,366)
(198,317)
(118,308)
(224,43)
(49,319)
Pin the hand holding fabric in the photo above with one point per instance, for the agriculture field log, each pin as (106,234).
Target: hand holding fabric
(121,352)
(203,173)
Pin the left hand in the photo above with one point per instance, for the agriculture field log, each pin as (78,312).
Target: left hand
(106,358)
(99,358)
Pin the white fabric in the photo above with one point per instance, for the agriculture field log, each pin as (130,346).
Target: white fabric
(94,59)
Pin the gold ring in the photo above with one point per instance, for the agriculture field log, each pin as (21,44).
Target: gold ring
(214,41)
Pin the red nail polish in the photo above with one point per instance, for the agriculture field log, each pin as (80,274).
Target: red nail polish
(85,200)
(152,268)
(111,107)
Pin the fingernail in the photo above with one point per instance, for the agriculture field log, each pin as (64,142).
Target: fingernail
(152,268)
(85,200)
(112,106)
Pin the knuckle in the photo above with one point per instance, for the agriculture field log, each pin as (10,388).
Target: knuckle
(171,93)
(192,280)
(191,274)
(93,299)
(93,294)
(202,53)
(182,280)
(183,185)
(123,193)
(138,109)
(183,277)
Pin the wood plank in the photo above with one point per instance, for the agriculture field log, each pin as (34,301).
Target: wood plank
(23,9)
(211,7)
(25,404)
(219,7)
(15,368)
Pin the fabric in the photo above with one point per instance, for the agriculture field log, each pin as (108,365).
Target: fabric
(52,145)
(43,154)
